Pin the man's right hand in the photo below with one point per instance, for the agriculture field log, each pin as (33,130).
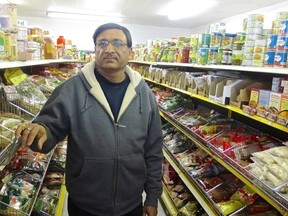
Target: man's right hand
(31,132)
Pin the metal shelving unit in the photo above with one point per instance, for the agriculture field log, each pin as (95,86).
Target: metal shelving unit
(276,201)
(13,106)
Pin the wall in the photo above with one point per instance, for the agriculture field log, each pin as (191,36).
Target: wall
(80,32)
(234,24)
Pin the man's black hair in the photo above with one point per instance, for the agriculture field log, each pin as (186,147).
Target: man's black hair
(113,26)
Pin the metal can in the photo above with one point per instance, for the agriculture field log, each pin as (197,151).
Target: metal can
(269,58)
(272,41)
(280,59)
(282,42)
(283,27)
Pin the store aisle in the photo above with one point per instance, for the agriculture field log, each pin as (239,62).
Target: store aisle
(161,211)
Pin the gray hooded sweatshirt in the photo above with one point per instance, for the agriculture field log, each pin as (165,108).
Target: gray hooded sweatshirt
(109,162)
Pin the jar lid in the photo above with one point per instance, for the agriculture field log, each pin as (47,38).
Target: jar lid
(230,35)
(214,49)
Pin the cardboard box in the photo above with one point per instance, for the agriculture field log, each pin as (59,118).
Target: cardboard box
(239,94)
(275,102)
(212,88)
(8,13)
(277,84)
(224,96)
(191,86)
(263,102)
(24,56)
(202,85)
(283,114)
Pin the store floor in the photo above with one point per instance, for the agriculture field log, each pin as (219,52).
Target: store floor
(161,212)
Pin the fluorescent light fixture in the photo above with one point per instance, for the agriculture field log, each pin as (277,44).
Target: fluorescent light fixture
(17,2)
(181,9)
(77,16)
(90,11)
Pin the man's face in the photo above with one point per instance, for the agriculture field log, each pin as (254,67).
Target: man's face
(111,51)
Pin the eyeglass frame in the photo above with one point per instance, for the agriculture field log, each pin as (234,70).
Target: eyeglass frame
(110,42)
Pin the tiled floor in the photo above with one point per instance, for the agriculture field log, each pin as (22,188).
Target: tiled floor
(161,212)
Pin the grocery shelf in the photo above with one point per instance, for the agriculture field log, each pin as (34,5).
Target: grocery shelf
(259,119)
(234,68)
(201,198)
(229,108)
(61,201)
(167,201)
(238,173)
(13,64)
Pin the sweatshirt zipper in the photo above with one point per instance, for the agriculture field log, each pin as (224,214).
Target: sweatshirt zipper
(115,180)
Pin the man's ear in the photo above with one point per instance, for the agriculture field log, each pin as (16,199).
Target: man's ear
(130,52)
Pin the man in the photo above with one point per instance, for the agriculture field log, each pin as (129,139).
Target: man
(111,119)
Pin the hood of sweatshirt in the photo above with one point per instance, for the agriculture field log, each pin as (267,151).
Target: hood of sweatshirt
(136,82)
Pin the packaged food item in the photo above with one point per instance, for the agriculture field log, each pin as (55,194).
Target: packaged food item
(213,56)
(228,41)
(209,182)
(226,56)
(203,56)
(216,39)
(230,206)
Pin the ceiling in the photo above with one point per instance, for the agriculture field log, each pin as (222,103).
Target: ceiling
(145,12)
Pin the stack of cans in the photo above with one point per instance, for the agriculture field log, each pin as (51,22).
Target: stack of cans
(277,43)
(254,34)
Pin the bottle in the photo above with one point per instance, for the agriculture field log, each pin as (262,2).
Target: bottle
(2,46)
(60,46)
(49,48)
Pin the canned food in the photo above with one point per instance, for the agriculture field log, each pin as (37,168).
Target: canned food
(257,63)
(246,62)
(254,30)
(272,41)
(282,42)
(259,56)
(280,59)
(283,27)
(247,56)
(256,17)
(259,49)
(282,15)
(249,43)
(248,50)
(254,24)
(253,37)
(260,42)
(269,57)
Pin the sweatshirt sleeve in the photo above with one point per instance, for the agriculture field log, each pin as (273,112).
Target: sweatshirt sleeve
(52,116)
(154,158)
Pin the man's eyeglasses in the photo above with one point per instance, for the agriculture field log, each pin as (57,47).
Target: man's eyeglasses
(115,43)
